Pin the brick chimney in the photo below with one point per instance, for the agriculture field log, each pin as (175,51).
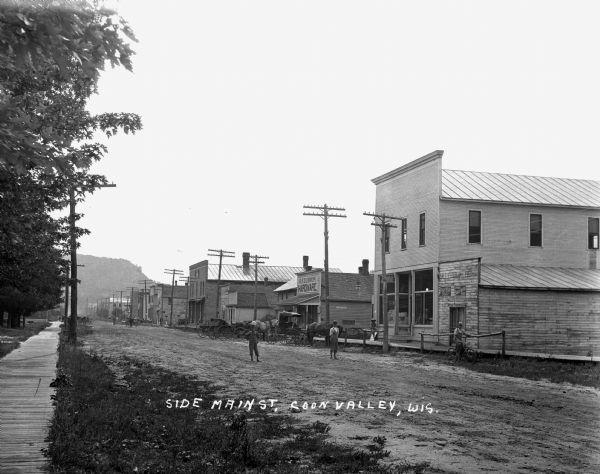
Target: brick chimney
(246,261)
(266,281)
(305,262)
(365,267)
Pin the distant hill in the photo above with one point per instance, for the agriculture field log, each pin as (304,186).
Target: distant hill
(101,276)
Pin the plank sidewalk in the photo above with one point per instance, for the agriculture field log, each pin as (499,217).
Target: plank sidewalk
(25,405)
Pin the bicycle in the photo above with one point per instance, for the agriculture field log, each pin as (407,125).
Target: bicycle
(469,353)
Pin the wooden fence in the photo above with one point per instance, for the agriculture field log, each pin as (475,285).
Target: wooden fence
(501,333)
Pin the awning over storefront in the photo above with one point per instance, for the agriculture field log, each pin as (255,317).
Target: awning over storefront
(304,299)
(539,278)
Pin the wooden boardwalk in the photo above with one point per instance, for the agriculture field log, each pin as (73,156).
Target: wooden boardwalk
(25,405)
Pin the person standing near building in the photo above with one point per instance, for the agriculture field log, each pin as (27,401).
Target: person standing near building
(253,342)
(374,330)
(333,340)
(459,341)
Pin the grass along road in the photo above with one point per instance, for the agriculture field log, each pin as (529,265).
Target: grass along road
(482,422)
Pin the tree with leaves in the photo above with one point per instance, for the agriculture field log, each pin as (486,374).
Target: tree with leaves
(51,56)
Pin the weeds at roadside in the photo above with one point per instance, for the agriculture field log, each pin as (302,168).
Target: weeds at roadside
(574,372)
(102,425)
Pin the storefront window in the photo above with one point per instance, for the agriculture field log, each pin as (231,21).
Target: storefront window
(424,297)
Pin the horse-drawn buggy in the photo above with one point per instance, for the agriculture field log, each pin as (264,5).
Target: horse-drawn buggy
(288,328)
(215,327)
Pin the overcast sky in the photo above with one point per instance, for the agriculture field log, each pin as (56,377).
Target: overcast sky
(252,109)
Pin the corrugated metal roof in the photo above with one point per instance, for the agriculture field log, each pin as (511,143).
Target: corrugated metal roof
(237,273)
(497,187)
(512,276)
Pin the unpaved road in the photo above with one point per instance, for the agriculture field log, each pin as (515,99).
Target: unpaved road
(482,423)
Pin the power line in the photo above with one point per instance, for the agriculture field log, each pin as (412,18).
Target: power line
(383,221)
(325,214)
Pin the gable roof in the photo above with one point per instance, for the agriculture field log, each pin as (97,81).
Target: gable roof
(519,189)
(541,278)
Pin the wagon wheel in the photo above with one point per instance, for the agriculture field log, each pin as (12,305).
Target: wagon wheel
(471,355)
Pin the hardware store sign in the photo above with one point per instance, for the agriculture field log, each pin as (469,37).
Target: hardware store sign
(309,283)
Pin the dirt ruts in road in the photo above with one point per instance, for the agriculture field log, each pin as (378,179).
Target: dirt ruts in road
(479,422)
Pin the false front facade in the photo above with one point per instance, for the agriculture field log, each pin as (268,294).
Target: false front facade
(495,251)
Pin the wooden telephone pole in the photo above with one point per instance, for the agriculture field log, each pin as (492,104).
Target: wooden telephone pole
(73,247)
(145,298)
(131,288)
(173,272)
(383,221)
(325,214)
(221,254)
(255,259)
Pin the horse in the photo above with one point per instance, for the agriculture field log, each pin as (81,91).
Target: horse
(320,329)
(264,328)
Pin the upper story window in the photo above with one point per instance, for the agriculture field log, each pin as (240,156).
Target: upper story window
(386,239)
(422,229)
(403,229)
(474,227)
(535,230)
(592,232)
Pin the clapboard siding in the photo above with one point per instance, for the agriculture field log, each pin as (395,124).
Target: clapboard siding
(505,235)
(408,195)
(557,322)
(360,312)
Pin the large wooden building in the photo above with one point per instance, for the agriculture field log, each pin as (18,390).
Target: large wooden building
(495,251)
(206,279)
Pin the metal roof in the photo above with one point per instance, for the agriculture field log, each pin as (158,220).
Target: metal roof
(511,188)
(237,273)
(512,276)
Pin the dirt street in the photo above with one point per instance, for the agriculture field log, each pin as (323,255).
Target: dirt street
(479,422)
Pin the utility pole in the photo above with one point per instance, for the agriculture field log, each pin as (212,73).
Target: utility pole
(114,309)
(144,303)
(173,272)
(255,260)
(73,245)
(186,280)
(325,214)
(383,221)
(131,301)
(67,285)
(221,254)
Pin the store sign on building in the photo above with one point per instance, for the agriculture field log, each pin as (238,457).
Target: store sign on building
(309,283)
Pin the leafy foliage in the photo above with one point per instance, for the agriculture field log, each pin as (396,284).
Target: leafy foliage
(51,57)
